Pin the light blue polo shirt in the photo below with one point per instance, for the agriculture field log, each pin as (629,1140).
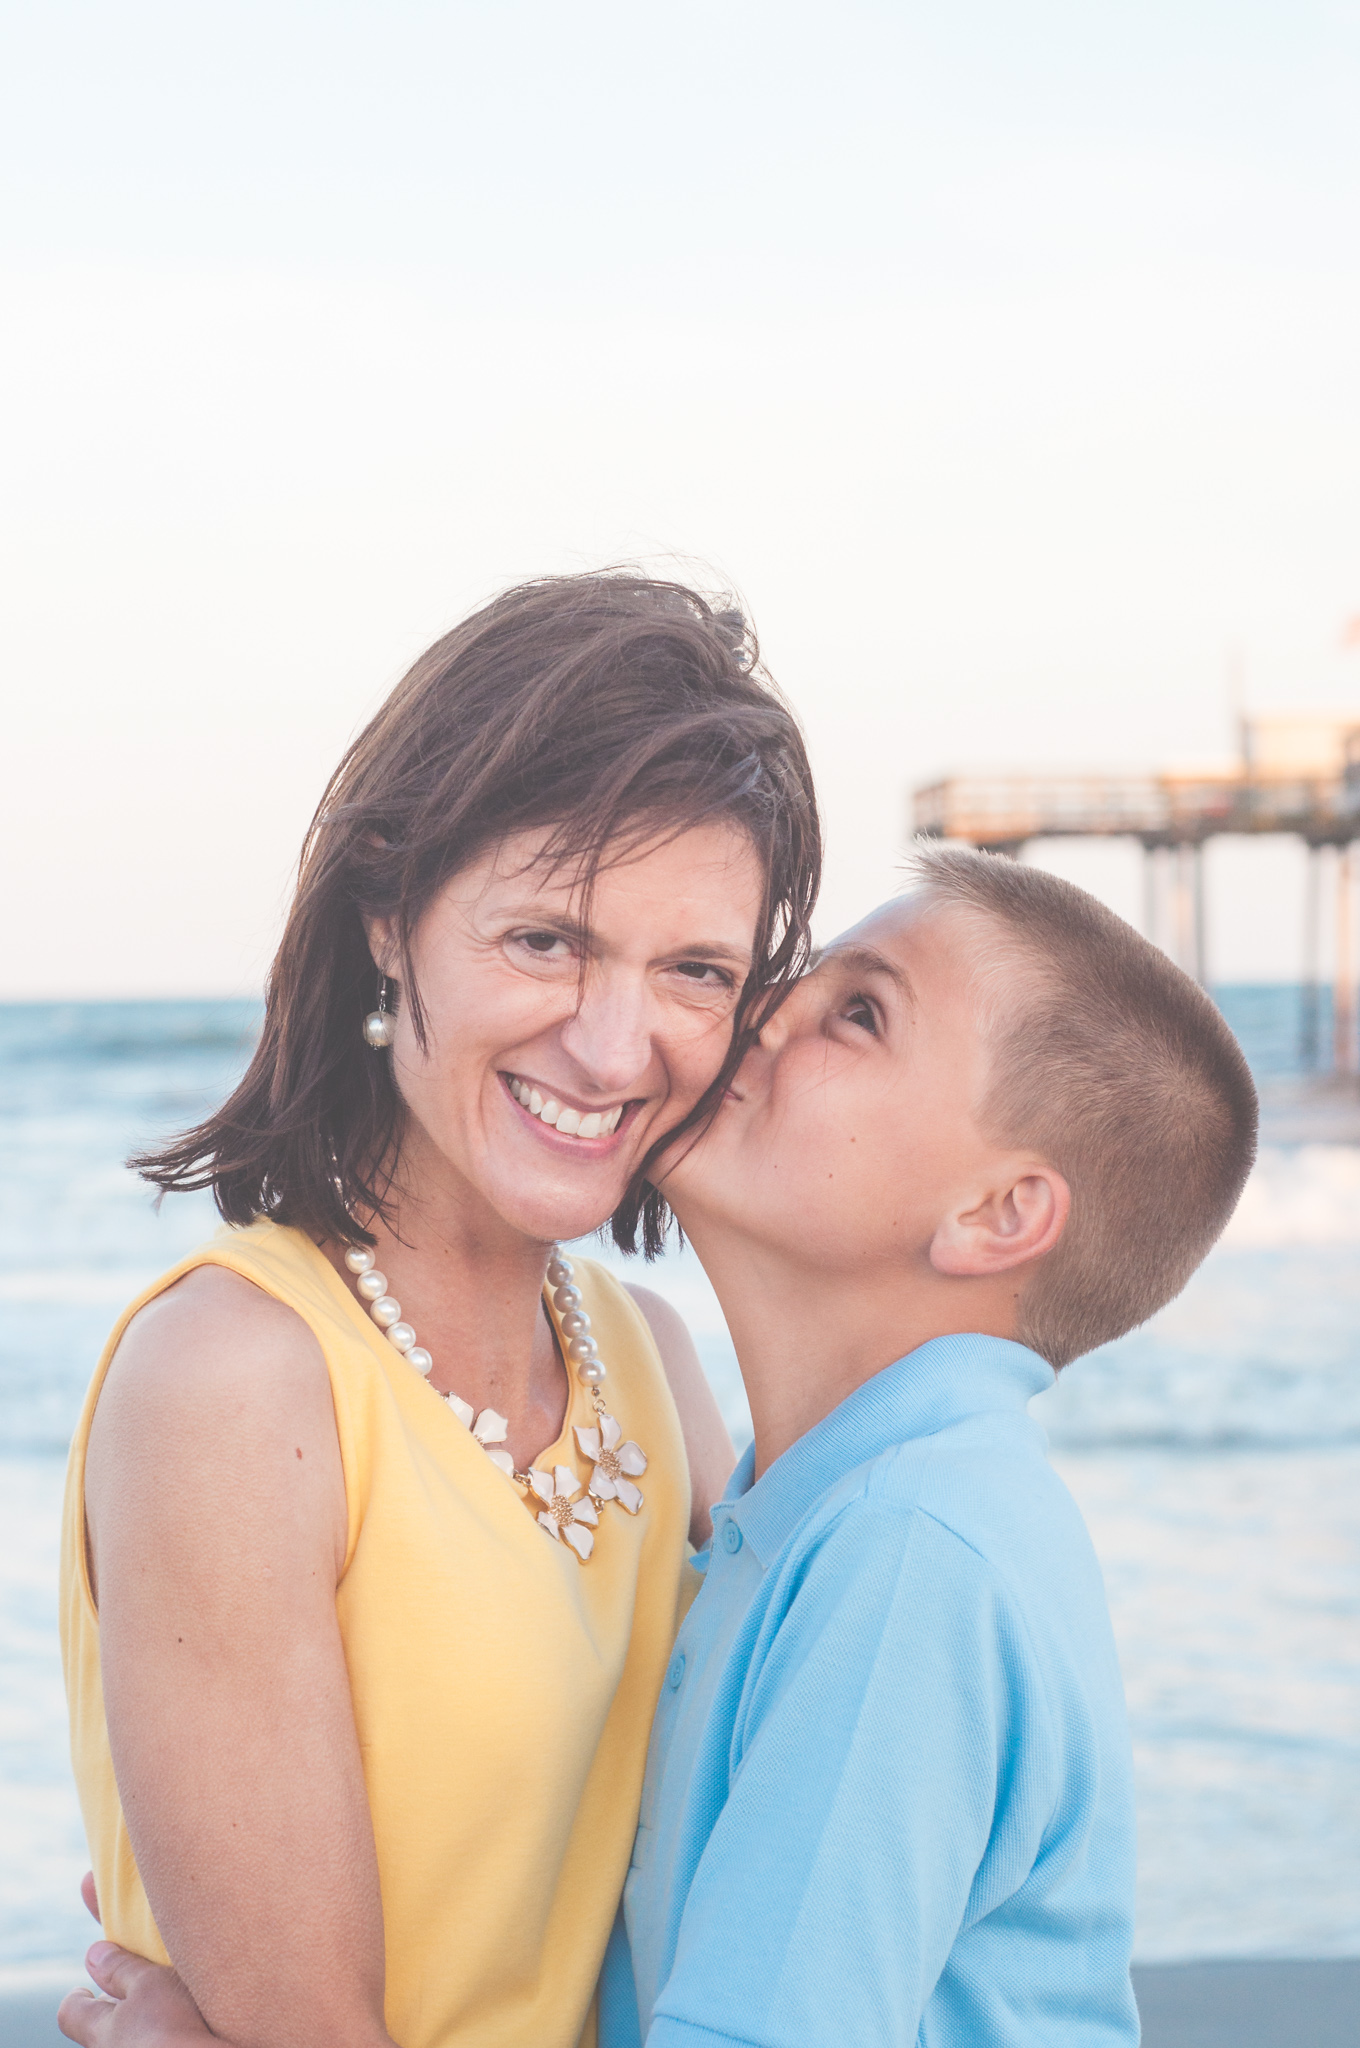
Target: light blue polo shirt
(888,1795)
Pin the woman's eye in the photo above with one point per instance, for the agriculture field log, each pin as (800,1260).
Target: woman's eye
(703,972)
(545,945)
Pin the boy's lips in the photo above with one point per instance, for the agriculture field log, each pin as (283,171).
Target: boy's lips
(554,1112)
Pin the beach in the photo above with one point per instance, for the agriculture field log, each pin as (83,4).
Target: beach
(1215,1455)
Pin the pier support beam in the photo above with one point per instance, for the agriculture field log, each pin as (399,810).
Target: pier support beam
(1177,872)
(1344,1051)
(1150,919)
(1201,947)
(1309,1015)
(1185,908)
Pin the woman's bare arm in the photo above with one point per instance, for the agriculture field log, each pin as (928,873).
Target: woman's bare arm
(216,1517)
(707,1444)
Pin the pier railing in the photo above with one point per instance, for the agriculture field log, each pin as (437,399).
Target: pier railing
(1003,812)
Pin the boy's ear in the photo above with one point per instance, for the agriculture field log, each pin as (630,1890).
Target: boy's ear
(1019,1220)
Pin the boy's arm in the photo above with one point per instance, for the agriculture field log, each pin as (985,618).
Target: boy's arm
(891,1739)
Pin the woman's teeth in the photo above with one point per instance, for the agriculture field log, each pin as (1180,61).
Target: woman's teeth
(596,1124)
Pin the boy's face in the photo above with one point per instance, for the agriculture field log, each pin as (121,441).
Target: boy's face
(850,1130)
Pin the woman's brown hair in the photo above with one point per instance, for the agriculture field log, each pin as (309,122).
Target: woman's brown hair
(609,707)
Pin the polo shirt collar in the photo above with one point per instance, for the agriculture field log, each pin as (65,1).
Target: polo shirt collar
(933,1386)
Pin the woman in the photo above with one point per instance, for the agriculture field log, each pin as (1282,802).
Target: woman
(370,1572)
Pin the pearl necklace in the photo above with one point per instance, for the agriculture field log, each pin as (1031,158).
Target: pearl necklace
(568,1511)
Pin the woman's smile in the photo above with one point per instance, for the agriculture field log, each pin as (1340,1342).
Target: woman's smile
(554,1111)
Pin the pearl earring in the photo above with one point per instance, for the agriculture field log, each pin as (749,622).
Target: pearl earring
(379,1027)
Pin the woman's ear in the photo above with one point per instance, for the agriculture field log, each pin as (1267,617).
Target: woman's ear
(381,943)
(1013,1224)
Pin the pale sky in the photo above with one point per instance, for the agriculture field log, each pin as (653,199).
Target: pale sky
(1006,358)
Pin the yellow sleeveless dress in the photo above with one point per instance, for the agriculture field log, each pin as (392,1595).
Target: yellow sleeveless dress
(503,1691)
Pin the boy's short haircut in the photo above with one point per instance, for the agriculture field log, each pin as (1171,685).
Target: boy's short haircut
(1117,1068)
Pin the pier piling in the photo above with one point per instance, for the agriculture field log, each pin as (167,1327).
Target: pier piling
(1312,958)
(1344,1050)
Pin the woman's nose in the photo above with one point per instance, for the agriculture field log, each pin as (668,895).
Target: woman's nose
(609,1036)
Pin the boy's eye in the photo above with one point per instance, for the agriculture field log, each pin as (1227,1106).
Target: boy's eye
(859,1010)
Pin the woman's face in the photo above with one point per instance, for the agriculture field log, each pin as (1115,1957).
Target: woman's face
(558,1052)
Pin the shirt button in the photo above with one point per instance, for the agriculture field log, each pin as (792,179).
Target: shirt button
(731,1538)
(677,1670)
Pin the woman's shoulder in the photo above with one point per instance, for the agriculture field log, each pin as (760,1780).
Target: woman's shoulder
(661,1337)
(208,1306)
(213,1400)
(634,1321)
(238,1311)
(621,1313)
(207,1324)
(262,1277)
(668,1327)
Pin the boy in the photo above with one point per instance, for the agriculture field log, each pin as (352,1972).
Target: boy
(889,1795)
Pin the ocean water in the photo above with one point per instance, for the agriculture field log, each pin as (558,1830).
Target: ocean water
(1215,1454)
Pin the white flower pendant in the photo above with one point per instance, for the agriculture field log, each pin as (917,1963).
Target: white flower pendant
(489,1428)
(617,1464)
(570,1520)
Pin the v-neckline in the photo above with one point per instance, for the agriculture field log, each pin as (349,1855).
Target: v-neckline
(557,1451)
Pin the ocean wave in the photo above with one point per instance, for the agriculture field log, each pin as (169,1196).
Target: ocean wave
(1299,1195)
(82,1286)
(113,1034)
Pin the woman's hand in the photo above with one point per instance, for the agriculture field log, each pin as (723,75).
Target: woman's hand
(144,2006)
